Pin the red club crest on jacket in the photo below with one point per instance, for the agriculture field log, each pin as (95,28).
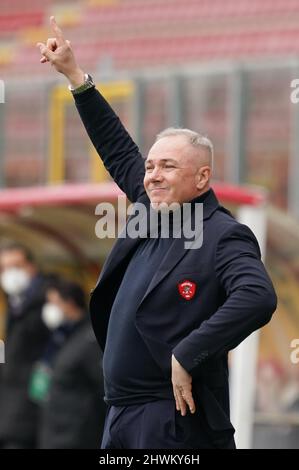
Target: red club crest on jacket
(187,289)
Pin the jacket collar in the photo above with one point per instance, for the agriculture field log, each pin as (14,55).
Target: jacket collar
(210,203)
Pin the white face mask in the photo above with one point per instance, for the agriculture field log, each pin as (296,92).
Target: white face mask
(52,316)
(14,281)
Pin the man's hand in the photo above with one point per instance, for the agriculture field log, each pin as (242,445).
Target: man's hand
(59,53)
(182,386)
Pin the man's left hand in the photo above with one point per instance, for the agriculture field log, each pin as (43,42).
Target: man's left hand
(182,387)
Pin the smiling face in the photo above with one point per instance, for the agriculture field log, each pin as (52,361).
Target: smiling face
(176,171)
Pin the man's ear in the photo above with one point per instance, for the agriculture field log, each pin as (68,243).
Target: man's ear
(203,176)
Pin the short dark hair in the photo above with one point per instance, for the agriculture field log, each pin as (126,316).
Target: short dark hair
(14,246)
(68,290)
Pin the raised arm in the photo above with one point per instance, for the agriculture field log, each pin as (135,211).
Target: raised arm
(118,151)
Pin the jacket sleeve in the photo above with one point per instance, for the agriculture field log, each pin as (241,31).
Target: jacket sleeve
(119,153)
(249,305)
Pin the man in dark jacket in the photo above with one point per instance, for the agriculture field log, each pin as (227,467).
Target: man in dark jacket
(73,408)
(25,338)
(166,316)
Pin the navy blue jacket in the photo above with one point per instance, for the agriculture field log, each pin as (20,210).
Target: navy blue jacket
(234,295)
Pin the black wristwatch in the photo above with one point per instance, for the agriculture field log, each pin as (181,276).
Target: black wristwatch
(88,83)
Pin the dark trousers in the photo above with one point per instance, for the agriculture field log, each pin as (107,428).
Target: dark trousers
(153,425)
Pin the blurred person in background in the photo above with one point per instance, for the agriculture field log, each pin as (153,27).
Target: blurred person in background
(166,316)
(67,380)
(271,379)
(25,338)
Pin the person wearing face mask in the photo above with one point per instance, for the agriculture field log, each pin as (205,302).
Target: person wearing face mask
(25,337)
(67,380)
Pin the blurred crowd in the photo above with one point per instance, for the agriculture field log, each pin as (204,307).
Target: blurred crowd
(51,385)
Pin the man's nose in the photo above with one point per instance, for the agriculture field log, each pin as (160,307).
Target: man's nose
(156,174)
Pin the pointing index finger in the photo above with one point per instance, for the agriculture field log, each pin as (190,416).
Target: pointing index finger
(57,31)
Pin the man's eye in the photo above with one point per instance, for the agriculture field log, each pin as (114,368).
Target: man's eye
(169,166)
(148,168)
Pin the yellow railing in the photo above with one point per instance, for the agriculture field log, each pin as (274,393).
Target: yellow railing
(60,97)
